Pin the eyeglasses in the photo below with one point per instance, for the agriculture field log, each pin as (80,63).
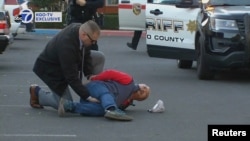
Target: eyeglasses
(92,41)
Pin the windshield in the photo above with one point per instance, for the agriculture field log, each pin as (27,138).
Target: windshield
(172,2)
(229,2)
(164,1)
(2,16)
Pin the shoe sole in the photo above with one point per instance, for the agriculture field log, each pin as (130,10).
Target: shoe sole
(120,118)
(61,111)
(132,48)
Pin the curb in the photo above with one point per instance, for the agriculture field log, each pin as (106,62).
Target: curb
(103,32)
(45,31)
(119,33)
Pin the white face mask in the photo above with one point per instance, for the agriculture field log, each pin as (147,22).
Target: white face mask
(158,107)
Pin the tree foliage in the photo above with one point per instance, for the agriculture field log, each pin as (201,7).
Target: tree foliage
(49,4)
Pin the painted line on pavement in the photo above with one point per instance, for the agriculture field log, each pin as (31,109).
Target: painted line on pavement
(14,106)
(39,135)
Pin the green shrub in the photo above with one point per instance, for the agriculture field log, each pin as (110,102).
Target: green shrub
(111,22)
(50,25)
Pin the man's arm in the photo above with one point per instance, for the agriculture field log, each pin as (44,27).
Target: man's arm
(68,56)
(114,75)
(88,67)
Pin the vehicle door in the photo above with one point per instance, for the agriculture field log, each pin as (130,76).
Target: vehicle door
(132,14)
(170,27)
(14,10)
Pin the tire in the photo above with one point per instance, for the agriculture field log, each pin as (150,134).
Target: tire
(184,64)
(203,71)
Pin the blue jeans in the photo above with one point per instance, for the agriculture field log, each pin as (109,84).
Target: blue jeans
(99,91)
(50,98)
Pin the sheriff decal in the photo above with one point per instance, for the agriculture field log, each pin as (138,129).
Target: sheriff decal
(136,8)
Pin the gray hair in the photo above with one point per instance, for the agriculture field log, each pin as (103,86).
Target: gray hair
(90,27)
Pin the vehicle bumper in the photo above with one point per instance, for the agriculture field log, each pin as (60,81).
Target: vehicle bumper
(14,27)
(230,52)
(4,41)
(232,60)
(21,29)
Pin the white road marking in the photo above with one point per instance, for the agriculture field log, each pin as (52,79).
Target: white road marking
(14,106)
(39,135)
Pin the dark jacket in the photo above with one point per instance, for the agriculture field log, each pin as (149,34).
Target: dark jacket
(84,13)
(60,62)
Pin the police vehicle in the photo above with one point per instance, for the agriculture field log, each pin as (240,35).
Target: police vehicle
(223,36)
(171,28)
(215,33)
(15,9)
(132,14)
(6,37)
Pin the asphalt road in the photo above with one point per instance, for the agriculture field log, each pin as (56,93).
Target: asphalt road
(191,104)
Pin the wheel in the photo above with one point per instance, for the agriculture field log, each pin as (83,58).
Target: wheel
(203,71)
(184,64)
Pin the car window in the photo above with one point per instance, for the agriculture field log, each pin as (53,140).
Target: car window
(163,1)
(172,2)
(11,2)
(21,1)
(229,2)
(2,16)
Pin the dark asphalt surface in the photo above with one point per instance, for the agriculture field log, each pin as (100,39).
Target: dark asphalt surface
(191,104)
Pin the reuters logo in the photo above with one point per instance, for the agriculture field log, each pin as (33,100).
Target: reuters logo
(136,9)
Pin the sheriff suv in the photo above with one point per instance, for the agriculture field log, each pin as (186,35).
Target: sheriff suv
(223,36)
(214,33)
(5,35)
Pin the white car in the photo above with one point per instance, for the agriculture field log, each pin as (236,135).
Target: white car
(5,36)
(214,33)
(15,9)
(170,29)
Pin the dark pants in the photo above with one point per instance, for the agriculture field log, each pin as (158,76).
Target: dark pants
(136,38)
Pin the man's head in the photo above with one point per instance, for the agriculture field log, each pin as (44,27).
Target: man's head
(89,33)
(142,93)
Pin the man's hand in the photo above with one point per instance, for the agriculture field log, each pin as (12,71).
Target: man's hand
(81,2)
(92,76)
(92,99)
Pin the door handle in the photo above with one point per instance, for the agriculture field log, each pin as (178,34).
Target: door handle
(156,12)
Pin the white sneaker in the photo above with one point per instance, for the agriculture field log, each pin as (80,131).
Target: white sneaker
(117,115)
